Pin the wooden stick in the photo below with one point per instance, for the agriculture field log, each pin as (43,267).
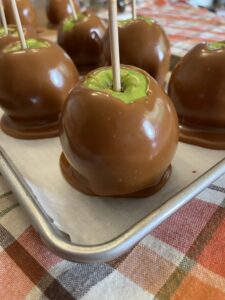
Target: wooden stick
(134,9)
(74,13)
(18,24)
(114,44)
(3,18)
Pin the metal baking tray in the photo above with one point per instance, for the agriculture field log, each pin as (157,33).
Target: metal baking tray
(93,229)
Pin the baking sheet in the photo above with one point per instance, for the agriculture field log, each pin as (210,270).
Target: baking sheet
(92,220)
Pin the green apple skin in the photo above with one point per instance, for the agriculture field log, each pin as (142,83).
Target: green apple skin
(69,23)
(11,31)
(13,36)
(133,87)
(31,44)
(113,144)
(144,44)
(216,46)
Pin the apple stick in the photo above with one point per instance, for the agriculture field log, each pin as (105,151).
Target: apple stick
(114,45)
(134,10)
(3,18)
(18,24)
(74,13)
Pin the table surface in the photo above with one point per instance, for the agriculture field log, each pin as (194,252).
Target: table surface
(181,259)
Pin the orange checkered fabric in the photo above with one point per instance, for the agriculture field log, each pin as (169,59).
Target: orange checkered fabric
(185,25)
(182,259)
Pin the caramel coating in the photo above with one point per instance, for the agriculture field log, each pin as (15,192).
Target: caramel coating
(144,46)
(83,43)
(34,84)
(11,38)
(58,10)
(115,149)
(197,88)
(26,11)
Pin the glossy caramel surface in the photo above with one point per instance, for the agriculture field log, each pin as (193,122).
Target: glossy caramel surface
(84,42)
(144,46)
(81,184)
(58,10)
(116,148)
(26,11)
(197,88)
(34,84)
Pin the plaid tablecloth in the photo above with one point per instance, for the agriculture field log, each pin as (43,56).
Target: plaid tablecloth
(182,259)
(185,25)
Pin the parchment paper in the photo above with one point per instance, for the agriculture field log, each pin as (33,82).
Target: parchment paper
(91,220)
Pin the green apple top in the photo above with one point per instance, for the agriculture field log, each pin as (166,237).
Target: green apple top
(11,31)
(70,22)
(148,20)
(216,45)
(143,44)
(31,44)
(134,83)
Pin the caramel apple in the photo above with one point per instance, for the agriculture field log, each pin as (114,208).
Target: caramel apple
(144,44)
(26,11)
(82,40)
(197,88)
(34,83)
(118,143)
(13,36)
(59,10)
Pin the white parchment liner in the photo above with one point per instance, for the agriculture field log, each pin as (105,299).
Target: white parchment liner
(90,220)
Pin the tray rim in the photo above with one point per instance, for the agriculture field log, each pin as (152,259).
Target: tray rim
(59,242)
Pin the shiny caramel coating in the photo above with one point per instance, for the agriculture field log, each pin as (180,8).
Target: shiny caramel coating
(83,43)
(143,45)
(115,149)
(34,84)
(59,10)
(26,11)
(197,88)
